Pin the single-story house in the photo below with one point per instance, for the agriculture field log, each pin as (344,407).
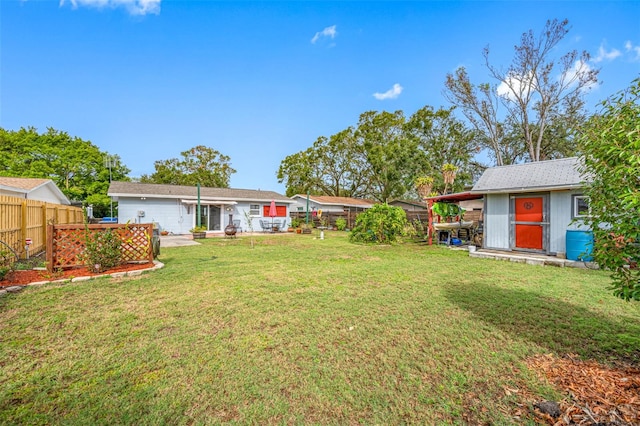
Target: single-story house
(330,204)
(529,207)
(410,205)
(32,189)
(174,207)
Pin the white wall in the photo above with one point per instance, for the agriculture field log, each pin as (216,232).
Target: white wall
(174,216)
(496,221)
(560,211)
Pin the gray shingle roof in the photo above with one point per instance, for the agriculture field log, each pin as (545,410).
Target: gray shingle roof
(150,190)
(528,177)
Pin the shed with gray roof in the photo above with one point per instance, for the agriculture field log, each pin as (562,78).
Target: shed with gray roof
(174,207)
(530,207)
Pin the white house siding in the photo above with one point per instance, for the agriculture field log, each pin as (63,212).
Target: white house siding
(170,214)
(46,194)
(496,221)
(301,206)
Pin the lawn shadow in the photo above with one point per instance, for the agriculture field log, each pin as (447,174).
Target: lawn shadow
(557,325)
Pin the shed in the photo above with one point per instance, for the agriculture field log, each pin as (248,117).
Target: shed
(529,207)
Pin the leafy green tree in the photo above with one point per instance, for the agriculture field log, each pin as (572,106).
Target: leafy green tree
(535,90)
(199,164)
(331,166)
(611,145)
(381,224)
(390,154)
(75,165)
(440,138)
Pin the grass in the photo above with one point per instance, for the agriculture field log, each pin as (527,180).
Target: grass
(302,330)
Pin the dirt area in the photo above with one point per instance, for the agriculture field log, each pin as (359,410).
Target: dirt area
(30,276)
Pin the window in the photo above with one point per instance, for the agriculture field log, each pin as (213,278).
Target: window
(580,206)
(254,209)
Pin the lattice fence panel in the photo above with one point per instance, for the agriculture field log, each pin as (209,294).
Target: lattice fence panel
(66,243)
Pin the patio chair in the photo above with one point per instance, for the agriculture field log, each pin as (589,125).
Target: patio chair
(265,225)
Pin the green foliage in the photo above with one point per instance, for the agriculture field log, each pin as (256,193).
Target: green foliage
(447,210)
(200,228)
(295,222)
(7,259)
(102,250)
(611,147)
(341,224)
(76,166)
(381,224)
(381,156)
(199,164)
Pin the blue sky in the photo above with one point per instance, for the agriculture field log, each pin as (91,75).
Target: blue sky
(257,81)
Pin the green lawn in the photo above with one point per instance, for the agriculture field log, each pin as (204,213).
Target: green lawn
(301,330)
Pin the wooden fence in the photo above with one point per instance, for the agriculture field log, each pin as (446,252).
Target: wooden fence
(329,218)
(22,219)
(66,243)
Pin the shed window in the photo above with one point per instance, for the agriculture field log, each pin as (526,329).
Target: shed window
(580,206)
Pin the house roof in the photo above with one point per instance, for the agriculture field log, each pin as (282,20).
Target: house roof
(23,184)
(27,185)
(337,201)
(409,202)
(550,175)
(151,190)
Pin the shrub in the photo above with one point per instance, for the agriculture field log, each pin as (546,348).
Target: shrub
(341,223)
(102,250)
(381,224)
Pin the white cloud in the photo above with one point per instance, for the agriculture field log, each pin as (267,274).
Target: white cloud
(327,32)
(515,84)
(603,54)
(633,49)
(579,67)
(134,7)
(392,93)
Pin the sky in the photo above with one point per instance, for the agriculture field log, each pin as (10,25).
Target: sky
(258,81)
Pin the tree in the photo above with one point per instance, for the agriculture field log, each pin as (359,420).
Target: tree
(389,153)
(75,165)
(611,146)
(331,166)
(199,164)
(535,90)
(441,139)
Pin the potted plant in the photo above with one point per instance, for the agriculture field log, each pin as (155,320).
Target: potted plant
(199,232)
(424,185)
(448,175)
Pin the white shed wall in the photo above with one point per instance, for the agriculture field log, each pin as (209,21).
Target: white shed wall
(496,221)
(560,212)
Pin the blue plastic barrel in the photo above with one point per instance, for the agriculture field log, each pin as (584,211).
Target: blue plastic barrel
(579,245)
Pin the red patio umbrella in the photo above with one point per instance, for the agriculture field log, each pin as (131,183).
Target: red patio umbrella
(272,211)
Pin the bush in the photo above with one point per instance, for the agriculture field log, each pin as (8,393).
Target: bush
(341,224)
(381,224)
(102,250)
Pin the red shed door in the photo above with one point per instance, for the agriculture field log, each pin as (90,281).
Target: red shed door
(528,226)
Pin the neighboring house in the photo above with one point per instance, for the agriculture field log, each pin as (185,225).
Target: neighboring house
(410,205)
(174,207)
(32,189)
(530,207)
(330,204)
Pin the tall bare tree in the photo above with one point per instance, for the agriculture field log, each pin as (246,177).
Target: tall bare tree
(536,89)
